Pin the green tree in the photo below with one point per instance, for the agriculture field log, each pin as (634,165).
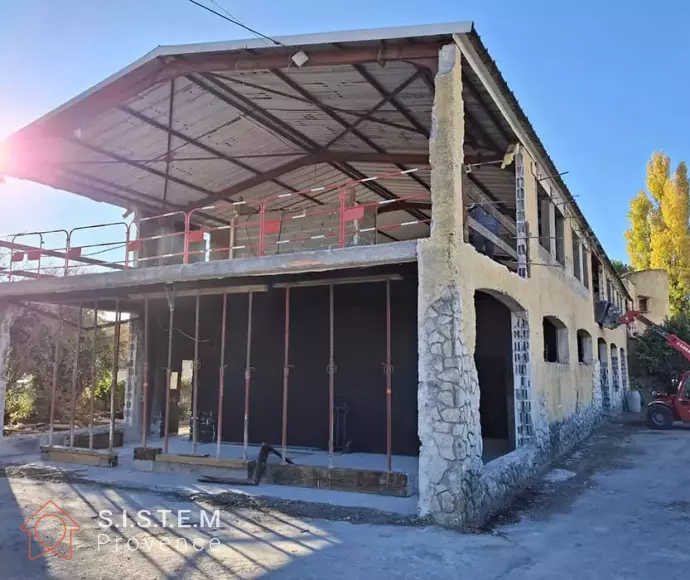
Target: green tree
(655,359)
(621,267)
(29,368)
(659,233)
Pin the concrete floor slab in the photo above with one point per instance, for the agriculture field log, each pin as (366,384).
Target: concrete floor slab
(188,483)
(51,289)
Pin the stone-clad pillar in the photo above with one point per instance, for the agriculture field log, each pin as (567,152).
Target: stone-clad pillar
(450,462)
(8,312)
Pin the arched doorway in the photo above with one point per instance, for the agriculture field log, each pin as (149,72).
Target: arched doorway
(604,375)
(493,357)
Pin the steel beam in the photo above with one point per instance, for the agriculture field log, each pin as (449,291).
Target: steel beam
(272,123)
(75,377)
(94,359)
(171,109)
(195,379)
(137,165)
(196,143)
(392,97)
(286,375)
(168,369)
(221,377)
(56,366)
(163,69)
(248,376)
(280,58)
(342,122)
(310,159)
(388,370)
(145,400)
(331,372)
(242,81)
(115,369)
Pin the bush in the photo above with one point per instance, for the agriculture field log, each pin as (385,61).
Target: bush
(20,402)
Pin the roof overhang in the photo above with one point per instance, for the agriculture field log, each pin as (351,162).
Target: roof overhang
(186,126)
(190,125)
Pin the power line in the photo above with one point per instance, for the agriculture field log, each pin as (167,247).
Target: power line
(235,21)
(223,9)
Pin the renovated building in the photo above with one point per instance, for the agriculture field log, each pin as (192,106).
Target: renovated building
(356,238)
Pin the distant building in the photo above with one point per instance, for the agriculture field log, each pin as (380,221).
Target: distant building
(649,290)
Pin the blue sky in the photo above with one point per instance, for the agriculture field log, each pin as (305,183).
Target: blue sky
(603,85)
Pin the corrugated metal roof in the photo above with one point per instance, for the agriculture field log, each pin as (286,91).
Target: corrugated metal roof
(230,124)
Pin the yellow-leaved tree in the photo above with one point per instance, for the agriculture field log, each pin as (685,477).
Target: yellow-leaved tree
(659,234)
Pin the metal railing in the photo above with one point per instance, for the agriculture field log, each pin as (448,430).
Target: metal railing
(331,216)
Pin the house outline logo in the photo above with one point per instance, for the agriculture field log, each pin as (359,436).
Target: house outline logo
(50,510)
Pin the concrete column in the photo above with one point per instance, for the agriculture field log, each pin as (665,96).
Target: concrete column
(8,312)
(450,462)
(134,389)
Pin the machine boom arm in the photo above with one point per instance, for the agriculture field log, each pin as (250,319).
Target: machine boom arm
(671,339)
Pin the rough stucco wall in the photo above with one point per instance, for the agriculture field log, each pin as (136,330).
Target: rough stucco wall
(454,485)
(654,285)
(549,291)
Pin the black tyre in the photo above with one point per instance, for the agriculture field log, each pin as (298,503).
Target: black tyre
(659,417)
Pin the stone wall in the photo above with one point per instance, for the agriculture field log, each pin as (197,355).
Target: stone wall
(450,461)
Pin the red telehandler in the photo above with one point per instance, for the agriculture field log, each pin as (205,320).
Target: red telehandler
(666,408)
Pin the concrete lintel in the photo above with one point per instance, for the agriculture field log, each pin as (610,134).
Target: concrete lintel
(53,289)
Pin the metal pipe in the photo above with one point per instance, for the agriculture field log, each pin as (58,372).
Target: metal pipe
(195,379)
(248,375)
(94,358)
(331,375)
(171,106)
(145,400)
(75,376)
(116,365)
(56,365)
(233,225)
(221,374)
(388,369)
(286,372)
(168,369)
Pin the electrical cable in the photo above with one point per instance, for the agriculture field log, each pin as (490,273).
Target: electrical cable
(236,22)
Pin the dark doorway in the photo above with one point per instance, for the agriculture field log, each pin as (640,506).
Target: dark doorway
(494,361)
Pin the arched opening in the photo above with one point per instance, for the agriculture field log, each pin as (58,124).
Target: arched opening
(493,357)
(555,340)
(615,369)
(604,374)
(584,347)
